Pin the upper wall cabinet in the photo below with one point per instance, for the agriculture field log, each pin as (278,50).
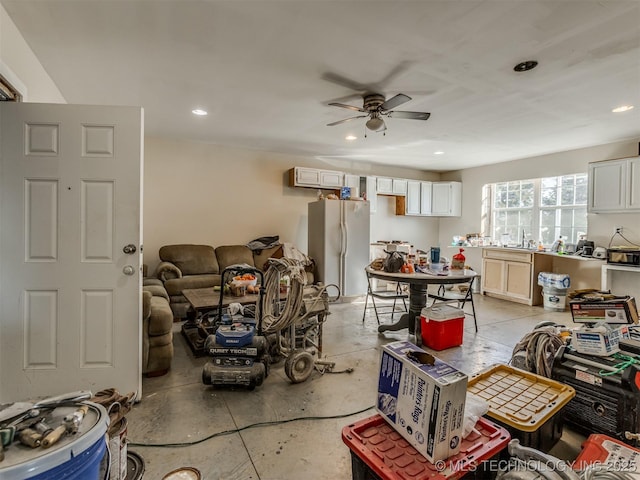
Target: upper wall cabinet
(372,194)
(352,181)
(399,186)
(312,177)
(384,186)
(614,186)
(446,199)
(391,186)
(435,199)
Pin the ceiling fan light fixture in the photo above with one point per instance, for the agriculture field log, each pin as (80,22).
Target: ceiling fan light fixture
(375,124)
(350,138)
(199,111)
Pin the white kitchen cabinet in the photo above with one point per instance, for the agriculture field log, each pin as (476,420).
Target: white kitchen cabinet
(352,181)
(413,198)
(372,194)
(384,186)
(633,189)
(316,178)
(614,186)
(330,179)
(607,186)
(417,200)
(426,192)
(446,199)
(399,186)
(305,177)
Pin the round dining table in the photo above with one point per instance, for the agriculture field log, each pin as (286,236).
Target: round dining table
(418,284)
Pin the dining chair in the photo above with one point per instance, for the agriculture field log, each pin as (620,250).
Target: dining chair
(387,295)
(460,299)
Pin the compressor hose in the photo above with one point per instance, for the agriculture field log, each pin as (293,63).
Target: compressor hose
(277,317)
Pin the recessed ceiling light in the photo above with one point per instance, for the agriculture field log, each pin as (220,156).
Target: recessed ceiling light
(350,137)
(525,66)
(622,108)
(199,111)
(439,152)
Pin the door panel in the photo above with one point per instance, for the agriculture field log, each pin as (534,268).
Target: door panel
(518,279)
(493,275)
(70,200)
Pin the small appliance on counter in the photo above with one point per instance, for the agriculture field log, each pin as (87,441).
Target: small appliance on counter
(629,256)
(600,252)
(585,248)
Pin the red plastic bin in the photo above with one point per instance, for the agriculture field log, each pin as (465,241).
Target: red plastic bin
(604,451)
(378,452)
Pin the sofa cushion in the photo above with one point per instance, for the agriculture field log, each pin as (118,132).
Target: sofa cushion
(191,259)
(156,291)
(260,257)
(232,255)
(175,286)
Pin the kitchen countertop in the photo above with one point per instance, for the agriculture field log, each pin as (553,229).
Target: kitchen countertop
(553,254)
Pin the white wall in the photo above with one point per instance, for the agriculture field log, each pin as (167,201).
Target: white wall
(600,226)
(215,195)
(21,68)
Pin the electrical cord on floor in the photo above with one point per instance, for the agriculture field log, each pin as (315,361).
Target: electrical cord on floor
(238,430)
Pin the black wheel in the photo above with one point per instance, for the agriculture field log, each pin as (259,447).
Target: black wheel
(206,379)
(299,366)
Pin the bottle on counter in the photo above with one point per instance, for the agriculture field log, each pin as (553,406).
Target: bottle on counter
(540,246)
(560,245)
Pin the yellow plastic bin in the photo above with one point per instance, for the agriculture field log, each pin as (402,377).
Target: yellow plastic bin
(526,404)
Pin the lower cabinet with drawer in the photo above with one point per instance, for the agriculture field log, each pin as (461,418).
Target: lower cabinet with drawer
(512,274)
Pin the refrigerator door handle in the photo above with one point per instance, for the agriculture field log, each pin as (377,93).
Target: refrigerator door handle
(343,246)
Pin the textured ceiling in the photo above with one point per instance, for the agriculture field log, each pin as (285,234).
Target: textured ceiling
(266,71)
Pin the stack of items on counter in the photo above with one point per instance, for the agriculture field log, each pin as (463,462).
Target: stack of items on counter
(436,422)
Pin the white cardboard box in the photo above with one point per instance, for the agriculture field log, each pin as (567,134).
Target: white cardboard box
(599,340)
(424,403)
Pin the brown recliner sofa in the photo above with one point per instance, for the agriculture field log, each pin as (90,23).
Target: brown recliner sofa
(187,266)
(157,329)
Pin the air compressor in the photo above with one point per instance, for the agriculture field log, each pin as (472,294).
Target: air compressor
(238,349)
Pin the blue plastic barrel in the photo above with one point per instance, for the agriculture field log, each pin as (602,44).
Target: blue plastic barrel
(74,457)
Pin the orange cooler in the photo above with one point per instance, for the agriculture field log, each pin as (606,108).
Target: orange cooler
(441,326)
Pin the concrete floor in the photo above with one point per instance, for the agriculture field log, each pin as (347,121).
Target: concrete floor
(178,408)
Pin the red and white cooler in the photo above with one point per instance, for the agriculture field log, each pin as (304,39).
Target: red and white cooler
(441,326)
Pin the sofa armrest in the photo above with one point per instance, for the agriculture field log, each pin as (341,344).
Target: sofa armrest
(167,271)
(146,304)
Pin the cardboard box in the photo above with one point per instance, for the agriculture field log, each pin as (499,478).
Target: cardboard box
(619,310)
(599,340)
(423,402)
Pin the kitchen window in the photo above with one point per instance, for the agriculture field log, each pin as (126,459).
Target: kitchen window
(540,209)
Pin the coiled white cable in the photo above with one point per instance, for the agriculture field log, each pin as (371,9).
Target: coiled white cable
(274,317)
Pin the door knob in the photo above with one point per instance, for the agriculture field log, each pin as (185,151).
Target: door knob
(129,249)
(128,270)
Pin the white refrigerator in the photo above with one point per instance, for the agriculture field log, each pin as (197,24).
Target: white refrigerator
(338,240)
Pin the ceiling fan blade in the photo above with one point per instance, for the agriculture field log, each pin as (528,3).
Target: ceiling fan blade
(345,82)
(350,107)
(409,115)
(393,102)
(345,120)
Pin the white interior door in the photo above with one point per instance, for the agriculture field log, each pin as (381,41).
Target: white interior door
(70,297)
